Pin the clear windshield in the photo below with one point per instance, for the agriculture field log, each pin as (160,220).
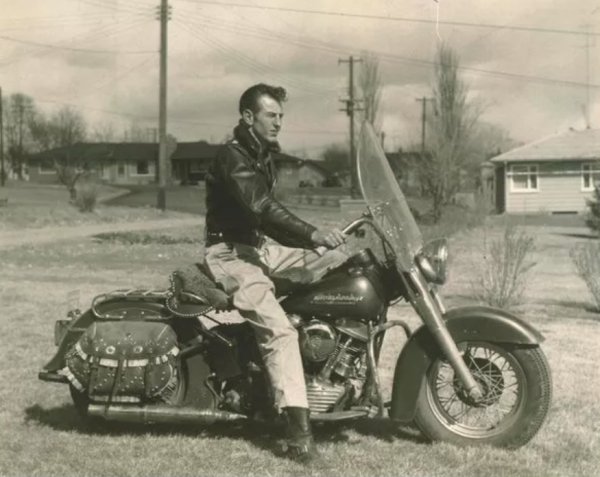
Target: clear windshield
(385,200)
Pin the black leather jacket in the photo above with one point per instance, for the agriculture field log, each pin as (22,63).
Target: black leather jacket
(240,206)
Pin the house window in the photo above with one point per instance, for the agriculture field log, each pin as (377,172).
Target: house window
(47,167)
(524,178)
(590,176)
(121,169)
(142,168)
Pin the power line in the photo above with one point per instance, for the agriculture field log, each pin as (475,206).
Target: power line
(83,50)
(120,7)
(394,19)
(336,49)
(253,64)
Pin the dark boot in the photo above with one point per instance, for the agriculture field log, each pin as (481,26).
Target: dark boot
(299,439)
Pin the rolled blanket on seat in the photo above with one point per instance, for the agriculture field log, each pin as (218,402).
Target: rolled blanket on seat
(195,279)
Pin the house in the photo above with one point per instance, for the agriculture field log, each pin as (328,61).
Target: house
(136,164)
(294,172)
(553,175)
(114,163)
(190,161)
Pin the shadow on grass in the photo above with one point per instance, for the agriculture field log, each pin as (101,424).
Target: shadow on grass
(379,428)
(589,236)
(262,435)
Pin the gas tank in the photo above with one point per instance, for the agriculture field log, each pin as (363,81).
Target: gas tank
(348,292)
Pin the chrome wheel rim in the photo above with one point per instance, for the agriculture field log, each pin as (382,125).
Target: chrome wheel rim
(500,377)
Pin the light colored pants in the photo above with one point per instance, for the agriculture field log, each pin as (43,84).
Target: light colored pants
(245,271)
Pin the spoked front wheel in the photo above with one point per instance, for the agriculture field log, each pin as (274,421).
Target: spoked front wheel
(516,387)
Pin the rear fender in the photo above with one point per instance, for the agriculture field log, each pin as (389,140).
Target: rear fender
(473,323)
(128,309)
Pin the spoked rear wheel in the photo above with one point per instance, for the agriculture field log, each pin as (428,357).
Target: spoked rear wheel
(516,387)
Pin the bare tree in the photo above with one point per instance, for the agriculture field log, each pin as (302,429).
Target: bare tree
(17,110)
(103,132)
(370,86)
(138,133)
(63,129)
(69,127)
(451,129)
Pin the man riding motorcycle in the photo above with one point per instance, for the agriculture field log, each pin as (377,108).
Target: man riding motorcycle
(240,211)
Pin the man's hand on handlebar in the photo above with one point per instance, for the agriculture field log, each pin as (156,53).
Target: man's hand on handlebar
(328,238)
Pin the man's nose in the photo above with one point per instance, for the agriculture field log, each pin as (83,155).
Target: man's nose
(278,120)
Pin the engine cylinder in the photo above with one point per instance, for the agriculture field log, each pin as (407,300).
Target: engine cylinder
(317,341)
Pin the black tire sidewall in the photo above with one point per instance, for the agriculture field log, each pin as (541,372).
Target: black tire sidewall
(524,425)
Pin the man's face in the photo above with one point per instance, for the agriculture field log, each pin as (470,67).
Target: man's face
(266,121)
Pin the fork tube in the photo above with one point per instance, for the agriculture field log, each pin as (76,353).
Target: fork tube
(431,314)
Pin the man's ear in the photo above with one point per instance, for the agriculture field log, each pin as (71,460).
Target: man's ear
(248,117)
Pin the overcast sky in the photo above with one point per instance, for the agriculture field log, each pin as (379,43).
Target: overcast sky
(101,57)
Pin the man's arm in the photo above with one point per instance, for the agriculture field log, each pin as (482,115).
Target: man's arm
(251,191)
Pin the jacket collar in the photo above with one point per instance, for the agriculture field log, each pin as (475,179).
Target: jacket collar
(248,140)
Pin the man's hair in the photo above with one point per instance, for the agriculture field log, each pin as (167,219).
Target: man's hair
(249,98)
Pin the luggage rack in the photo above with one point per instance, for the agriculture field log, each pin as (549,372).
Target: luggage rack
(152,295)
(134,294)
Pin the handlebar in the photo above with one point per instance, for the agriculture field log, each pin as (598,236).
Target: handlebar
(347,230)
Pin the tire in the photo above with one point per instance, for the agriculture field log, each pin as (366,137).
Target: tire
(517,392)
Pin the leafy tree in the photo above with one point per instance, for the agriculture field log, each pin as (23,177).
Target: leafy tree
(451,129)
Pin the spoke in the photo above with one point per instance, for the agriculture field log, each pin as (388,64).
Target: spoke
(466,410)
(447,403)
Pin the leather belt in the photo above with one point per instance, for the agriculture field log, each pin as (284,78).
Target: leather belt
(246,237)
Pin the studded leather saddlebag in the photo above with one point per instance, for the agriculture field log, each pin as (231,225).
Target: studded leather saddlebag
(128,361)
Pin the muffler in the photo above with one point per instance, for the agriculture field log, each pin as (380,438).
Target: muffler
(157,413)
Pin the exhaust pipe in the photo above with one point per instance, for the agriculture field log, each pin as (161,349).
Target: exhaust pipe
(155,414)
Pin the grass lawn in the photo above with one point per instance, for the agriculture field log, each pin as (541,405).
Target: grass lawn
(33,206)
(40,433)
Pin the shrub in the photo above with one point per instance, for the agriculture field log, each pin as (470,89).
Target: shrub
(505,270)
(586,259)
(87,197)
(592,219)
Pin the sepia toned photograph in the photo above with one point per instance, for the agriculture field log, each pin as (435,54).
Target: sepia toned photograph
(277,238)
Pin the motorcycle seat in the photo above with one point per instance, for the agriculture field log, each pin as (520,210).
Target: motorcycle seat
(195,289)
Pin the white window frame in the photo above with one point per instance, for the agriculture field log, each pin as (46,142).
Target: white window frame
(531,170)
(591,169)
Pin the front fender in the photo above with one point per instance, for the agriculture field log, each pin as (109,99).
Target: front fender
(472,323)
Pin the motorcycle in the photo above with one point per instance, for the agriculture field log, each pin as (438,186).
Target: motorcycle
(468,375)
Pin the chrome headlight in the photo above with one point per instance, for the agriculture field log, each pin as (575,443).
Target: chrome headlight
(432,260)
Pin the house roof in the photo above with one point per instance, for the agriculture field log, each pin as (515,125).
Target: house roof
(195,150)
(100,151)
(566,146)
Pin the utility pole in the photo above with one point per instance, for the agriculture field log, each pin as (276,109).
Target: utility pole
(350,109)
(423,102)
(2,172)
(164,12)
